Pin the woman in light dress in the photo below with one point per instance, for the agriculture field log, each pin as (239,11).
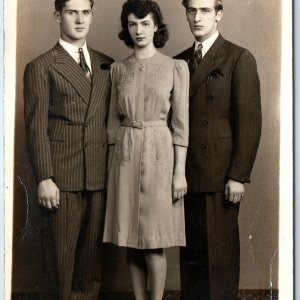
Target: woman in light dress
(148,138)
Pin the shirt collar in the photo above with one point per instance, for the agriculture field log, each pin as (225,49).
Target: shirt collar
(207,43)
(73,51)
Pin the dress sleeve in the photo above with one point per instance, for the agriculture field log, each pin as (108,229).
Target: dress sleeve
(180,104)
(114,122)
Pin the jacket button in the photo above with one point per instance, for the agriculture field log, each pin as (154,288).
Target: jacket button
(210,97)
(203,146)
(73,103)
(104,145)
(86,145)
(205,122)
(86,125)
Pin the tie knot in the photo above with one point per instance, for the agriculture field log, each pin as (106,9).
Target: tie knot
(199,47)
(80,50)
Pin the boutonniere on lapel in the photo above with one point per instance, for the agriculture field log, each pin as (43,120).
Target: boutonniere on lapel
(216,73)
(105,66)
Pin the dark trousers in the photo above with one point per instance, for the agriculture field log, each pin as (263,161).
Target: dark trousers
(72,245)
(209,264)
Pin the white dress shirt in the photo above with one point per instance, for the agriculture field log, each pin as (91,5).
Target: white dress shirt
(207,43)
(73,51)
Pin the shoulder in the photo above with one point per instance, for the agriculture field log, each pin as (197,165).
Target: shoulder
(180,64)
(41,63)
(100,56)
(184,54)
(174,62)
(238,51)
(43,59)
(104,60)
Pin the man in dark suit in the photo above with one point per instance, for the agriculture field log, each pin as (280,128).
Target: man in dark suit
(66,93)
(225,128)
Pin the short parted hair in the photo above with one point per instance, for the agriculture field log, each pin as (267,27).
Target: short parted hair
(141,8)
(218,4)
(59,4)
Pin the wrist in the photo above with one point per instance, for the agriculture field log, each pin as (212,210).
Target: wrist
(179,173)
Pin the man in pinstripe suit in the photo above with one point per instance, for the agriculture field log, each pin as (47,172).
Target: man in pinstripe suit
(225,128)
(66,92)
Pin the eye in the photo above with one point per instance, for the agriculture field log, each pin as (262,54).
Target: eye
(87,12)
(206,11)
(191,11)
(70,12)
(131,25)
(146,24)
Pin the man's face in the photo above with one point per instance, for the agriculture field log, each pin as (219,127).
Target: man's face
(202,18)
(75,20)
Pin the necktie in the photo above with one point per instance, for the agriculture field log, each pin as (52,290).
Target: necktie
(197,57)
(83,64)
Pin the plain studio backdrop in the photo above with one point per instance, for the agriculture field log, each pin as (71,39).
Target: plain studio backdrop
(253,24)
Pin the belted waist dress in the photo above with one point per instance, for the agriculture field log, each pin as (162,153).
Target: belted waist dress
(148,115)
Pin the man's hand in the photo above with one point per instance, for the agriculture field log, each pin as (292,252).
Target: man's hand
(234,191)
(179,186)
(48,194)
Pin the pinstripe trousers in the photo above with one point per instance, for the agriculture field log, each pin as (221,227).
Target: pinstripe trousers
(73,246)
(209,264)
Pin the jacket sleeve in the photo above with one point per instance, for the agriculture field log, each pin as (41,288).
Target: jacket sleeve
(246,116)
(36,103)
(180,104)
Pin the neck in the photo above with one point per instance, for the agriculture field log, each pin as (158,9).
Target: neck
(145,52)
(77,43)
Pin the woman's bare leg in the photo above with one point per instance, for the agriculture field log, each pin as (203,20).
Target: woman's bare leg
(138,272)
(157,271)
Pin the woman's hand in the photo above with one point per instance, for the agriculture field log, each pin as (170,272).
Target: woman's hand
(179,186)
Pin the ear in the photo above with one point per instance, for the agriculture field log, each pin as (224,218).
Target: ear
(57,17)
(155,27)
(219,15)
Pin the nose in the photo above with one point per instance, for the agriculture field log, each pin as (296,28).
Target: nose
(138,29)
(198,16)
(79,18)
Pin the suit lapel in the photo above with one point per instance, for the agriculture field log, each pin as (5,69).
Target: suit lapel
(71,71)
(99,84)
(210,61)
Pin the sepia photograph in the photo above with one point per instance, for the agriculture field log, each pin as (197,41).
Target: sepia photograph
(148,150)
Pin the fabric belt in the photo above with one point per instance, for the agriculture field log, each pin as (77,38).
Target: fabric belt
(143,124)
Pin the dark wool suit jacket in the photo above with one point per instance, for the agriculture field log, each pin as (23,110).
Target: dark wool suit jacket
(65,119)
(225,117)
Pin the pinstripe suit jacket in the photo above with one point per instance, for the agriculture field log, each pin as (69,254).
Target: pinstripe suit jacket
(225,117)
(65,119)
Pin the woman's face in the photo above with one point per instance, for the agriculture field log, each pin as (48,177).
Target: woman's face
(141,30)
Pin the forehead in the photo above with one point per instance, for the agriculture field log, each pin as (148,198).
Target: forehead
(77,5)
(201,3)
(133,18)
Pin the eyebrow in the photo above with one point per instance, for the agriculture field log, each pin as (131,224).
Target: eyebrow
(144,21)
(76,11)
(201,8)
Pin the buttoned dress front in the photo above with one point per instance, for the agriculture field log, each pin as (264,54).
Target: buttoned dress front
(148,115)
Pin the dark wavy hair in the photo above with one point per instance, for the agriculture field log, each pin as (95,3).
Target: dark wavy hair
(141,8)
(59,4)
(218,4)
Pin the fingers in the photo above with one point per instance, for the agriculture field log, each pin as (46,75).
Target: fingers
(179,193)
(50,202)
(235,197)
